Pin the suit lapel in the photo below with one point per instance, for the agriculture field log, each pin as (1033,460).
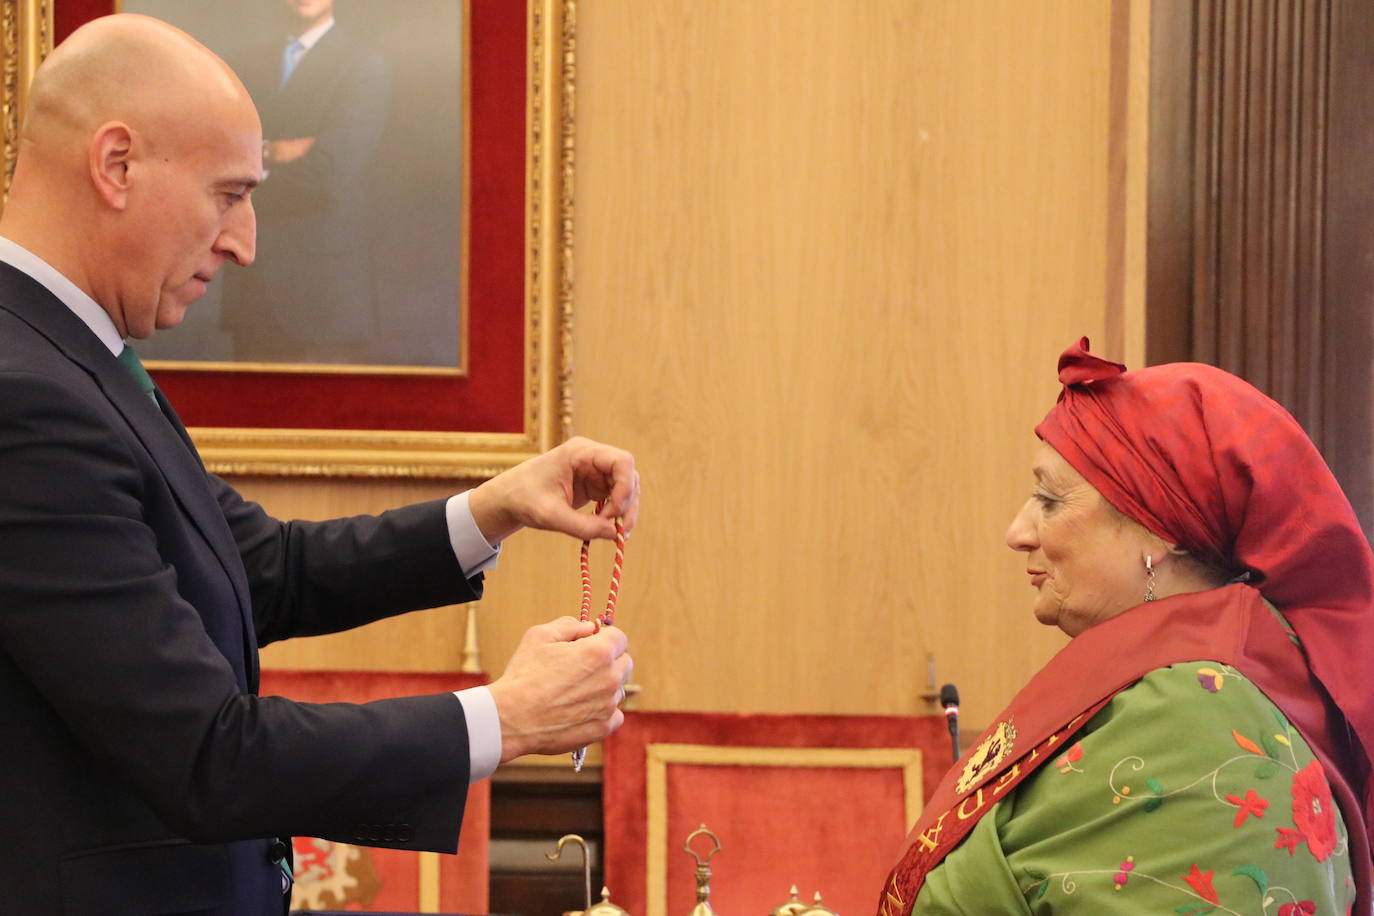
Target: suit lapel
(317,66)
(162,435)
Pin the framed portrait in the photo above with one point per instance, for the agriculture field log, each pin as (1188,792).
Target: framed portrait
(409,308)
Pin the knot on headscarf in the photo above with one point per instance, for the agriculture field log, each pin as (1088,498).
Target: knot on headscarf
(1077,365)
(1204,460)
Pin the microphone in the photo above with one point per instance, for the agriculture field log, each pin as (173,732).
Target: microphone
(949,701)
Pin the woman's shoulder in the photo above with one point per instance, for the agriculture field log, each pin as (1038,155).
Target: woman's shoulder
(1197,696)
(1189,787)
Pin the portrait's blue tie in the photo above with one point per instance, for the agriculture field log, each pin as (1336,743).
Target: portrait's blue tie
(289,59)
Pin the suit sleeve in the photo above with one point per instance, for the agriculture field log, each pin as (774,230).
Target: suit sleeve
(92,621)
(309,578)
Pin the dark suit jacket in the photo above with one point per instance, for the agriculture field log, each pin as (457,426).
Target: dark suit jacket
(313,274)
(140,773)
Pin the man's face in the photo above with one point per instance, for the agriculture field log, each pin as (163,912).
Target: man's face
(310,10)
(190,211)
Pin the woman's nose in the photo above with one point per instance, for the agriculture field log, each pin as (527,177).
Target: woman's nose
(1021,531)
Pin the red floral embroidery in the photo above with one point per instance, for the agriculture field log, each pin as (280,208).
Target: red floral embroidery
(1288,839)
(1301,908)
(1251,804)
(1314,812)
(1202,883)
(1066,763)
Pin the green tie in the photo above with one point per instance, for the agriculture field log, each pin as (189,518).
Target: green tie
(130,359)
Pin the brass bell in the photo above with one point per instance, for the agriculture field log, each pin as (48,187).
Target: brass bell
(792,907)
(817,908)
(606,907)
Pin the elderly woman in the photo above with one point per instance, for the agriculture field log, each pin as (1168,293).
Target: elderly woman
(1202,744)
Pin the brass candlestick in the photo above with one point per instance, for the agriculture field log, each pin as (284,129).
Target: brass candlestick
(703,873)
(586,868)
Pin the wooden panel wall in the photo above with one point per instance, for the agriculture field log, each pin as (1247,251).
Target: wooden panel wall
(827,255)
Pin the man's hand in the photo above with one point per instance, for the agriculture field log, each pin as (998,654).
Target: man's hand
(280,152)
(546,492)
(562,688)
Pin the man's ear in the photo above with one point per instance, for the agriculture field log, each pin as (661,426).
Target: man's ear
(110,154)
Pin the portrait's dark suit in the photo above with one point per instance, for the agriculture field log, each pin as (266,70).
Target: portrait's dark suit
(140,773)
(310,297)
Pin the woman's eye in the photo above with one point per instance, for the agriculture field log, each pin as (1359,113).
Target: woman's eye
(1046,501)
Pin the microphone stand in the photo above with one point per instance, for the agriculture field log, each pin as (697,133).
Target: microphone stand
(949,699)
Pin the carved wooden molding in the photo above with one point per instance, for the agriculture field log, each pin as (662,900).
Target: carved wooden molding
(1254,243)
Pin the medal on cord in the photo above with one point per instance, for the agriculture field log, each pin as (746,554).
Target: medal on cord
(607,618)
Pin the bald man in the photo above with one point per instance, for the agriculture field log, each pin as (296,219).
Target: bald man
(141,773)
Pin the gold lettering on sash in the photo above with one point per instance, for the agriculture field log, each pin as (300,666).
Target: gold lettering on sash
(893,905)
(931,837)
(1007,779)
(963,815)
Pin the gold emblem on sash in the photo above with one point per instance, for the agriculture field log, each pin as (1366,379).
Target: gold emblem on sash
(987,756)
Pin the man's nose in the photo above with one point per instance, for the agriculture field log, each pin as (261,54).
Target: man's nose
(239,238)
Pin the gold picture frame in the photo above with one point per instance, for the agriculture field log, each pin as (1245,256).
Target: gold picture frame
(546,413)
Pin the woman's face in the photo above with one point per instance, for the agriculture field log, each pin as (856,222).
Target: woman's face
(1085,561)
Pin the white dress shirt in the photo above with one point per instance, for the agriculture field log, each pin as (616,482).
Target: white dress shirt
(310,36)
(473,552)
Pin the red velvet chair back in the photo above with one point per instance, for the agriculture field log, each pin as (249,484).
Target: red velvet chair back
(337,876)
(822,802)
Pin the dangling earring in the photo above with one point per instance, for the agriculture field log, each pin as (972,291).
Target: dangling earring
(1149,579)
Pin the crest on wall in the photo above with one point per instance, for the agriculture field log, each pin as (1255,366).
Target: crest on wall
(330,876)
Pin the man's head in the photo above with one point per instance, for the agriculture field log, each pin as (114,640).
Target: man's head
(306,14)
(136,162)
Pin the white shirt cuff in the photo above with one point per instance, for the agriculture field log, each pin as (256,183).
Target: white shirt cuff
(484,731)
(473,551)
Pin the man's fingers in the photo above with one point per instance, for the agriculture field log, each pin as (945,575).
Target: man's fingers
(581,525)
(623,502)
(563,629)
(626,666)
(616,639)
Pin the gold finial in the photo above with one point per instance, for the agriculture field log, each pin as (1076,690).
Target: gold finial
(586,867)
(606,907)
(792,907)
(703,873)
(817,908)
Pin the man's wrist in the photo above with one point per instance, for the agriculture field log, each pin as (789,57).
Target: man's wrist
(474,553)
(489,512)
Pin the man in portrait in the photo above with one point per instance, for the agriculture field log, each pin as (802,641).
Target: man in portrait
(323,96)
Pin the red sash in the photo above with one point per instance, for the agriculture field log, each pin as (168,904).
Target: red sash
(1230,625)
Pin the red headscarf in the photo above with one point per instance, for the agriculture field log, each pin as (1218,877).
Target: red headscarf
(1204,460)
